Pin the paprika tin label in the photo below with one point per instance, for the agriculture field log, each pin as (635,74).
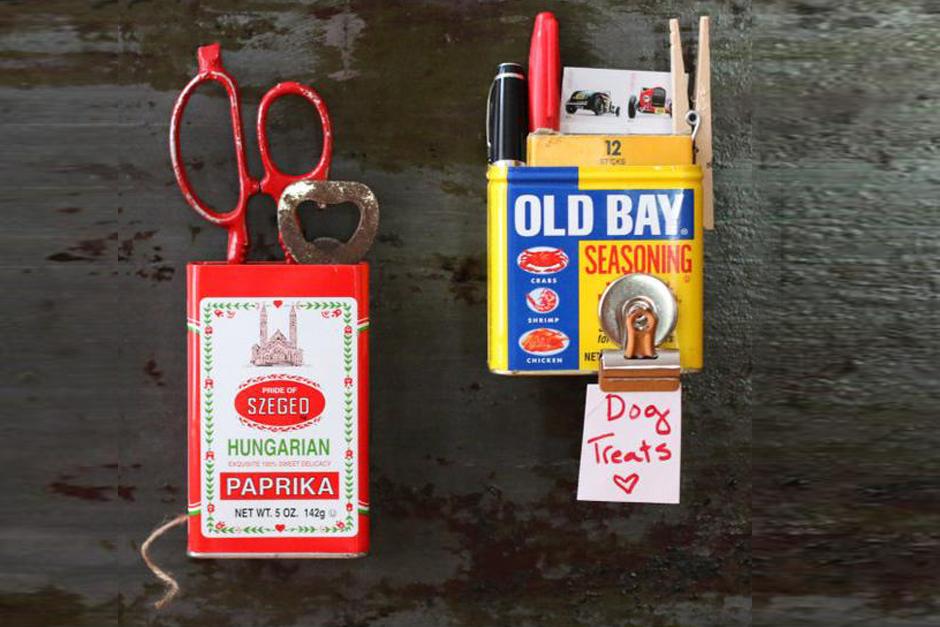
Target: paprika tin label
(557,236)
(278,410)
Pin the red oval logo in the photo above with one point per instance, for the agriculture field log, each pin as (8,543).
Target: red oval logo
(279,403)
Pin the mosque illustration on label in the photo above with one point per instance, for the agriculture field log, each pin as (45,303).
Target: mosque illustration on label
(277,350)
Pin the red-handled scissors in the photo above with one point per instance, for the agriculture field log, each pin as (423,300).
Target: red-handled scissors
(274,181)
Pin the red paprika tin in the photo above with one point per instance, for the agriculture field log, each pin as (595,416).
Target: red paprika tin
(278,409)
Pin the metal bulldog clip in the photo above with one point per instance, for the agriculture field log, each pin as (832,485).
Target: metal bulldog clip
(638,312)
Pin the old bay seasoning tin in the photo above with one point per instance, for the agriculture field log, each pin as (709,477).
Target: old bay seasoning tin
(278,410)
(557,236)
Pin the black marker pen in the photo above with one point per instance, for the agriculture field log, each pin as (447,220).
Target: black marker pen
(507,116)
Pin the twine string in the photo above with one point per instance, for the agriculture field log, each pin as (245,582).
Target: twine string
(172,588)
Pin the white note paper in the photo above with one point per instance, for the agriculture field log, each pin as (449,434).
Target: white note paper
(631,447)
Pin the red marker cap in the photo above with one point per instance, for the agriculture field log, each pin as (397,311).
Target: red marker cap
(544,73)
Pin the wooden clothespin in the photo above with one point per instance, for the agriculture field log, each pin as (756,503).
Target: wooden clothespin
(703,105)
(680,84)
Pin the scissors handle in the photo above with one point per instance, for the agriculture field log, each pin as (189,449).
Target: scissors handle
(275,180)
(210,69)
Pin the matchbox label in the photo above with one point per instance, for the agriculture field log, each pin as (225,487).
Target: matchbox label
(278,417)
(566,243)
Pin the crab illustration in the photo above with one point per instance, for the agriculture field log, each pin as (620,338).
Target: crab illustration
(542,260)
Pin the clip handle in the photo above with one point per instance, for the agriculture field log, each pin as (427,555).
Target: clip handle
(640,331)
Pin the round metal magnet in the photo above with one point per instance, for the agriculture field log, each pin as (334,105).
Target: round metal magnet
(635,289)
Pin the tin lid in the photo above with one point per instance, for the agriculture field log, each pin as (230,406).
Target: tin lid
(602,177)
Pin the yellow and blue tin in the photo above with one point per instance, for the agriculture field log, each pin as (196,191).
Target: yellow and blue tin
(557,236)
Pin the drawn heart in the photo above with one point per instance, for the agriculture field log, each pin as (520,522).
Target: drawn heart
(279,527)
(627,483)
(278,303)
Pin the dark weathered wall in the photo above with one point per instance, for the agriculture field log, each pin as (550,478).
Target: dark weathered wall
(846,483)
(473,475)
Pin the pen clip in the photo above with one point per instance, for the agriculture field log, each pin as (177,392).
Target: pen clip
(489,121)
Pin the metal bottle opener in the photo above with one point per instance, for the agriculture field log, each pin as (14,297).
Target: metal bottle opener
(324,193)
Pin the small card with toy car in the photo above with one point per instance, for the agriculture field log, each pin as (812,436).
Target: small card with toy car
(625,102)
